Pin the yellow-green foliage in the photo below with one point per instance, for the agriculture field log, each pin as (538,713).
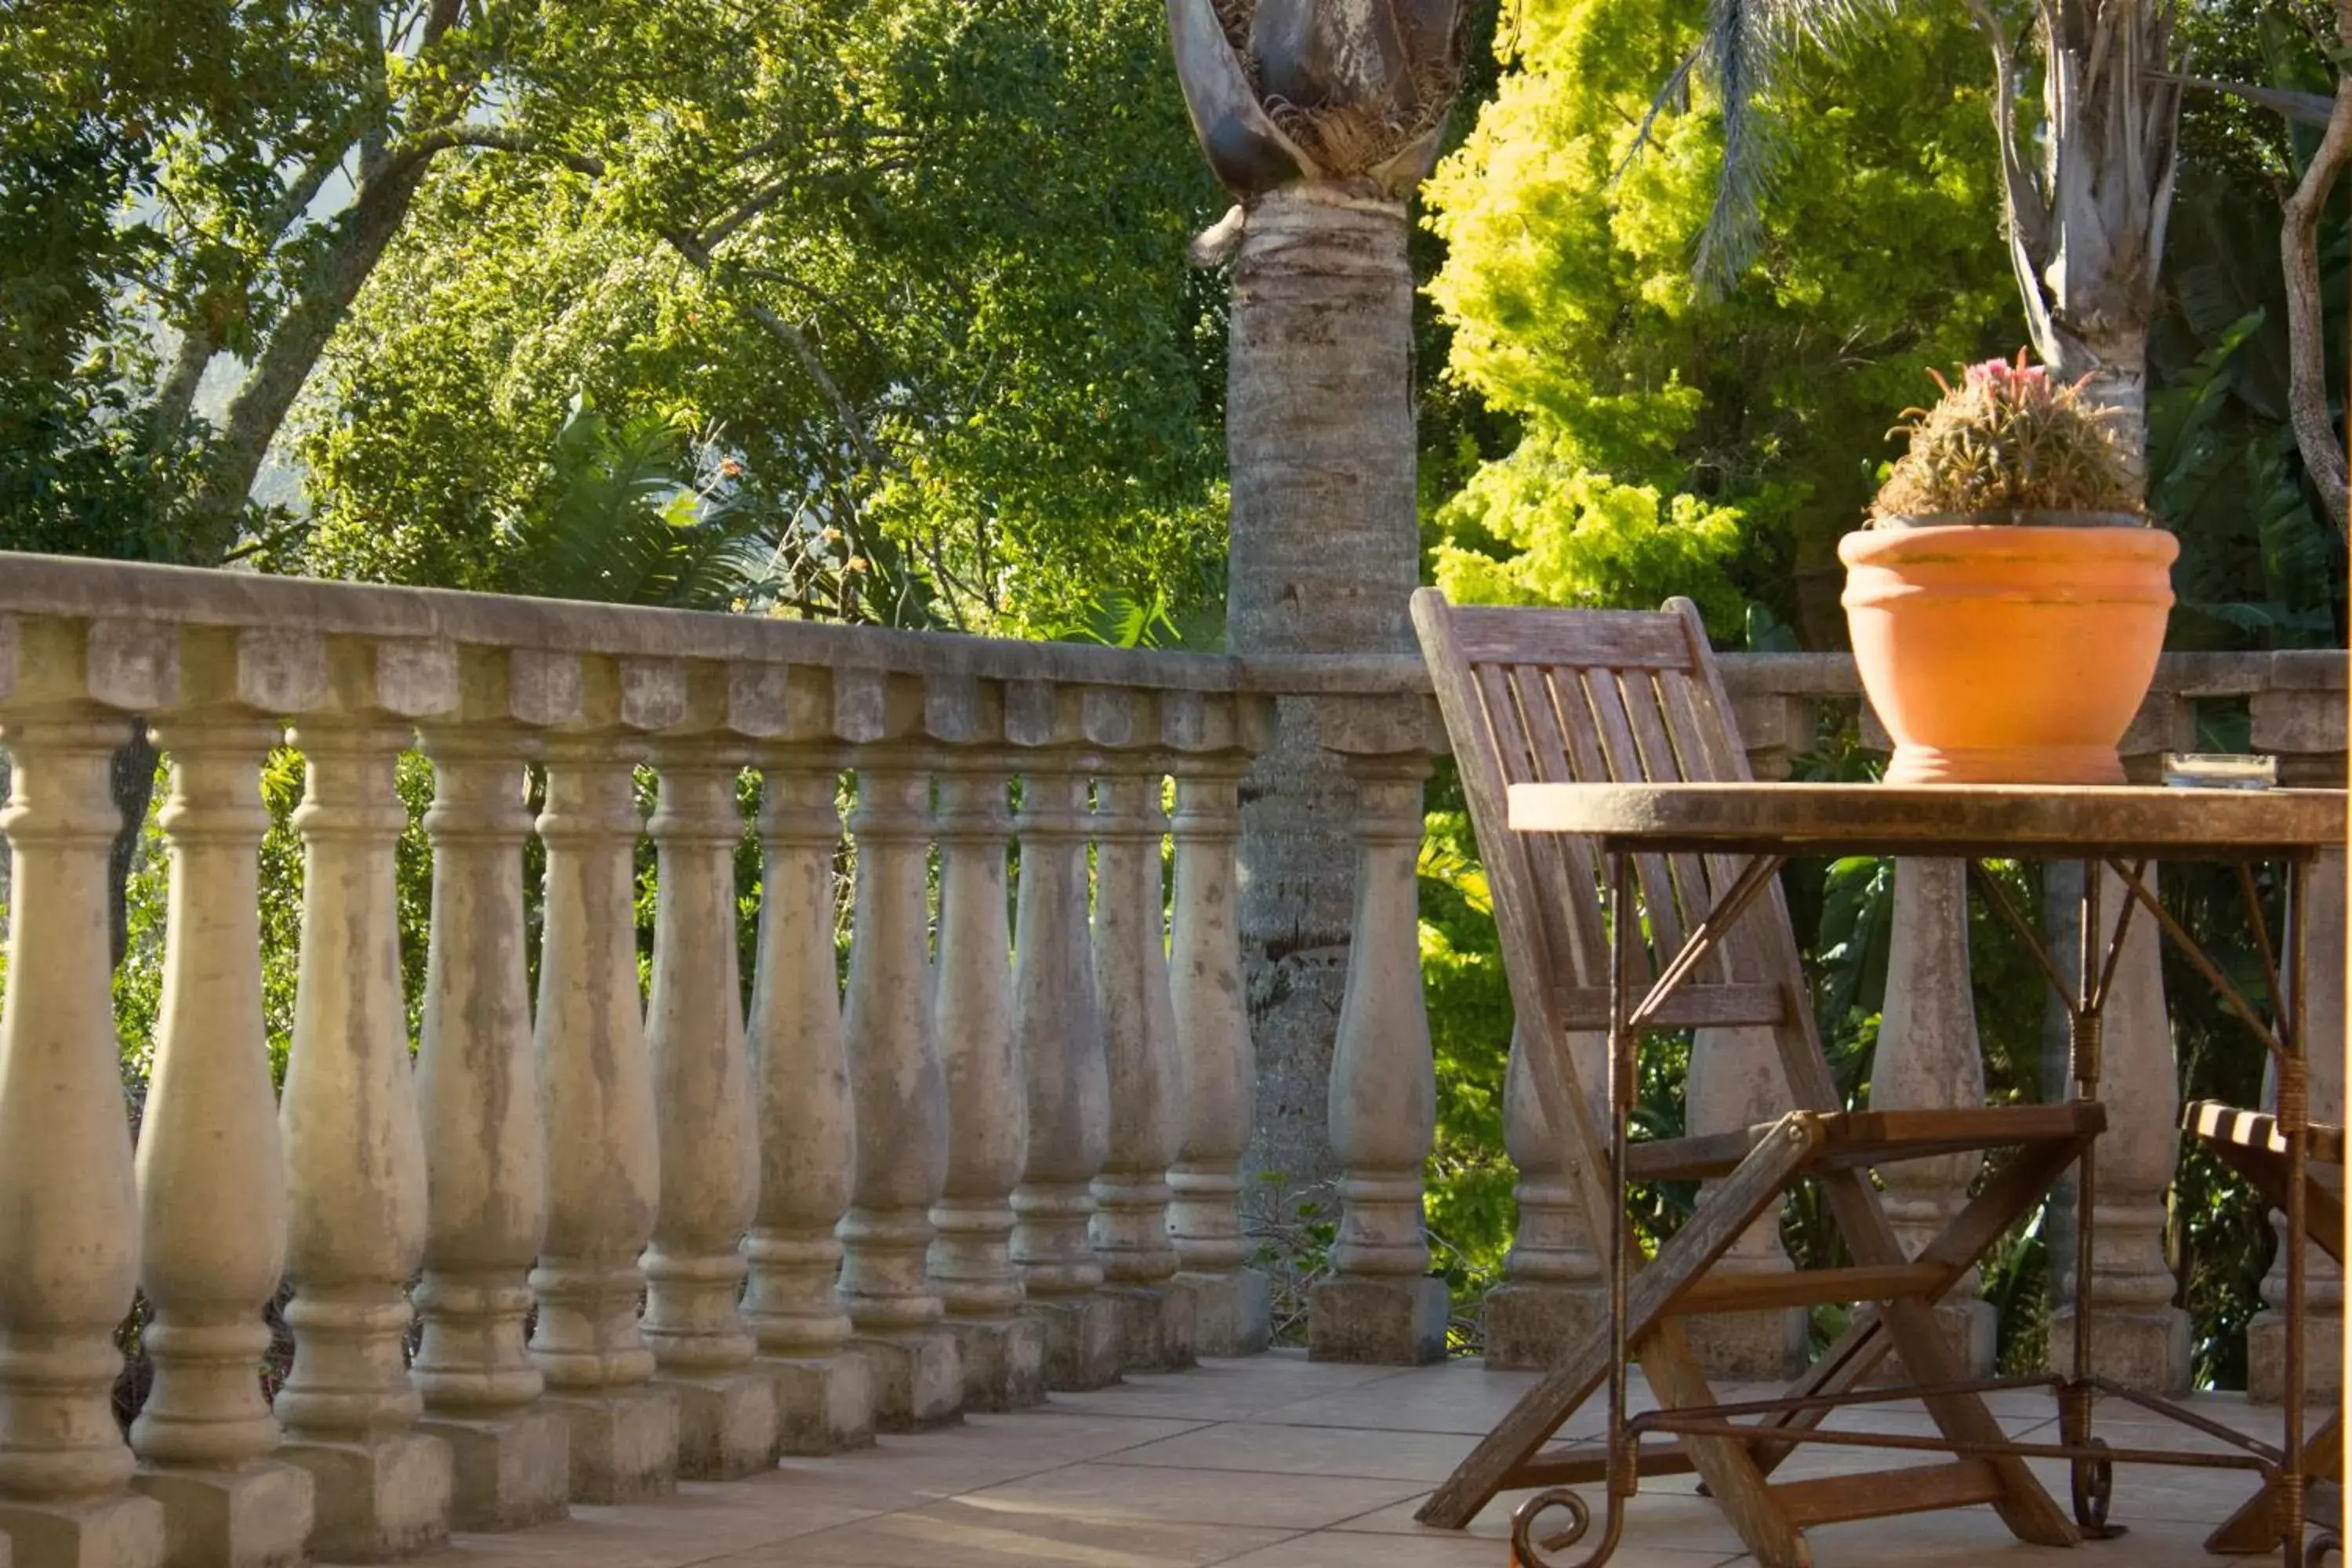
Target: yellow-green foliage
(1569,291)
(1583,538)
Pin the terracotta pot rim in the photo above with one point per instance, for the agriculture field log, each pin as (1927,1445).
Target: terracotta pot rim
(1991,542)
(2016,517)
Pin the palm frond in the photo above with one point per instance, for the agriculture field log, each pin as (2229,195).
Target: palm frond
(620,520)
(1742,52)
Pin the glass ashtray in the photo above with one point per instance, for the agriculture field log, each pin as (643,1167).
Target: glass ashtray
(2219,769)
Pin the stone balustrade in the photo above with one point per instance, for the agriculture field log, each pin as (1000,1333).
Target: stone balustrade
(575,1245)
(579,1246)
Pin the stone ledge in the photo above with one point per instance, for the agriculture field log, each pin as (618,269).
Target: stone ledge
(623,1444)
(1379,1323)
(257,1516)
(826,1404)
(1233,1312)
(509,1473)
(1004,1362)
(124,1532)
(376,1502)
(726,1424)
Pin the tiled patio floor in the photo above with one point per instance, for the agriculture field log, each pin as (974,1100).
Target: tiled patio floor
(1276,1462)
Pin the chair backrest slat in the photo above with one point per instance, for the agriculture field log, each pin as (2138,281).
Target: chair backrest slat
(1702,744)
(1568,863)
(1697,882)
(1626,766)
(1620,640)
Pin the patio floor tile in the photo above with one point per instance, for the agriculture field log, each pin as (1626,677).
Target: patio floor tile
(1280,1462)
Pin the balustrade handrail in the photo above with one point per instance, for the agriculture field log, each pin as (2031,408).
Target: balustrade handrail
(85,589)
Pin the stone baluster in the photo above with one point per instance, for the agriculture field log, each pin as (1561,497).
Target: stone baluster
(354,1145)
(595,1078)
(1553,1293)
(70,1226)
(970,1264)
(1929,1058)
(1383,1304)
(899,1087)
(695,1268)
(1129,1228)
(484,1136)
(1060,1034)
(807,1125)
(2323,1286)
(2143,1339)
(211,1172)
(1734,1081)
(1217,1068)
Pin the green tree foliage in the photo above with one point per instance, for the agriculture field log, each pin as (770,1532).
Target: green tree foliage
(914,267)
(195,187)
(1568,281)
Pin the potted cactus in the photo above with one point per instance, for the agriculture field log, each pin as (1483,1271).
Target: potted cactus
(2008,597)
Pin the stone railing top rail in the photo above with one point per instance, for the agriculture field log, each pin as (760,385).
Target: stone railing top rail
(805,680)
(2178,675)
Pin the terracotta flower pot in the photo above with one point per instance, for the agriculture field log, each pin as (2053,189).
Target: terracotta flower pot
(2001,654)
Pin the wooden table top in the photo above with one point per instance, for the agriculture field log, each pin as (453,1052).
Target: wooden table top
(2020,821)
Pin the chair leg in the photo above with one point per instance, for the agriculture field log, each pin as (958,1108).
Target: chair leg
(1728,1467)
(2024,1505)
(2255,1527)
(1744,1195)
(1858,1352)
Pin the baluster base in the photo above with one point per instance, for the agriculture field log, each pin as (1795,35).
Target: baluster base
(1532,1327)
(2145,1347)
(624,1444)
(826,1403)
(1972,1328)
(918,1379)
(1399,1320)
(1154,1325)
(1233,1311)
(1081,1342)
(511,1472)
(2323,1355)
(110,1532)
(726,1424)
(1003,1362)
(255,1516)
(376,1502)
(1751,1347)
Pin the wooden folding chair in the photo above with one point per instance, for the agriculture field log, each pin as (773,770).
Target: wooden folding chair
(1535,696)
(2251,1144)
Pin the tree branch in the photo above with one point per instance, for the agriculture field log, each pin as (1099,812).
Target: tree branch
(751,206)
(2022,200)
(2311,109)
(178,392)
(278,372)
(499,138)
(797,343)
(2314,431)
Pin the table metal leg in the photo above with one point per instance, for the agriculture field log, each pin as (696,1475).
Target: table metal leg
(2294,1123)
(1624,1472)
(1528,1546)
(2093,1479)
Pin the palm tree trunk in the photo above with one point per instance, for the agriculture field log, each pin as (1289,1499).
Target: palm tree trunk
(2113,367)
(1325,554)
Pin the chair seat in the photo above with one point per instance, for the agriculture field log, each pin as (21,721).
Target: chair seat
(2249,1143)
(2227,1124)
(1859,1139)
